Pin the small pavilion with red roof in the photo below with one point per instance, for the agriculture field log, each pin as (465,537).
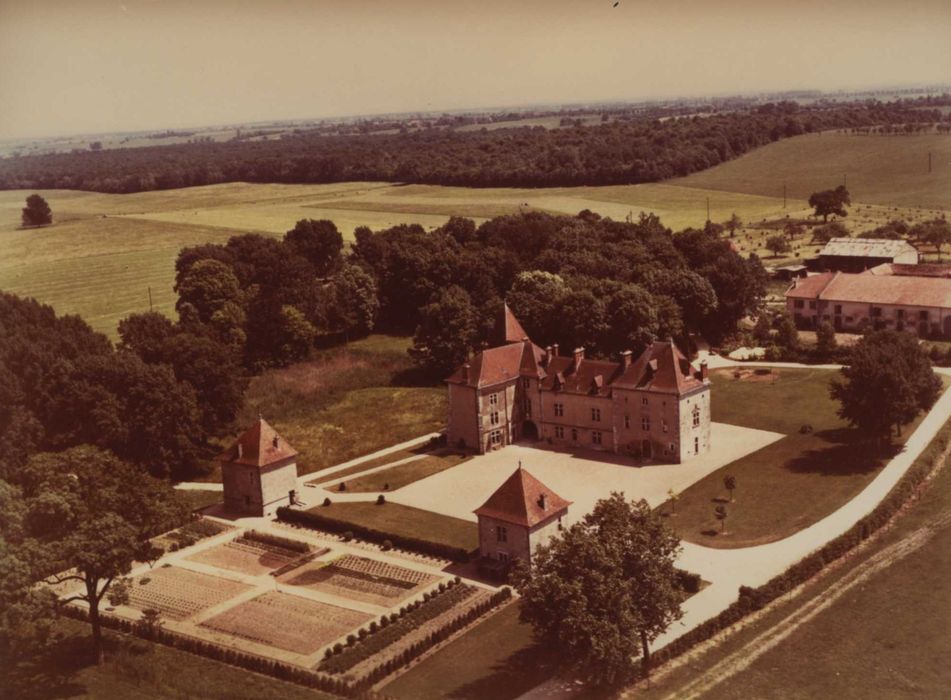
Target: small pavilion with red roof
(258,472)
(522,514)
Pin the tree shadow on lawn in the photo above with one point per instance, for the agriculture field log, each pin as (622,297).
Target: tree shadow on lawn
(513,676)
(849,453)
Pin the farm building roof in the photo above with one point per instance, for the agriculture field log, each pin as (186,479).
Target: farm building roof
(905,270)
(523,500)
(866,248)
(896,290)
(258,446)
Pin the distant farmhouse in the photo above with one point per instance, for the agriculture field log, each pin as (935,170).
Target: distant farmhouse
(860,254)
(521,515)
(915,298)
(655,407)
(258,472)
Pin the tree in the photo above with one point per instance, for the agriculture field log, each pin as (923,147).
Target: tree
(887,384)
(319,242)
(732,224)
(826,232)
(721,515)
(762,331)
(673,497)
(938,234)
(37,212)
(777,244)
(446,332)
(830,202)
(355,300)
(729,483)
(787,335)
(793,230)
(90,516)
(206,287)
(600,592)
(826,343)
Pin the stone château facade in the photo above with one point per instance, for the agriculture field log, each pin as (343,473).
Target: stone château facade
(654,407)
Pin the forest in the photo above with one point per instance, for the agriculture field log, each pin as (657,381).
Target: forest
(634,149)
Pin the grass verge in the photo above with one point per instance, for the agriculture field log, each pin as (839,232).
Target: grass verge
(407,473)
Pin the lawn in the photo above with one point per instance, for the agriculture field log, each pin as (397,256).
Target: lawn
(403,474)
(886,638)
(405,521)
(497,659)
(789,484)
(881,170)
(197,499)
(347,401)
(134,670)
(388,458)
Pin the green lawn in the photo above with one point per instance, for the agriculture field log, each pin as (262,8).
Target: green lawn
(789,484)
(195,499)
(372,463)
(497,659)
(134,670)
(406,521)
(885,638)
(403,474)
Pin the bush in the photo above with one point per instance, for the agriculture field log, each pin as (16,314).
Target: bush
(326,501)
(328,523)
(380,500)
(342,486)
(387,545)
(805,429)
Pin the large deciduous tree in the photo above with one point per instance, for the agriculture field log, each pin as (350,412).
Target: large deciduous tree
(37,211)
(888,382)
(206,287)
(90,516)
(603,590)
(446,332)
(319,242)
(830,202)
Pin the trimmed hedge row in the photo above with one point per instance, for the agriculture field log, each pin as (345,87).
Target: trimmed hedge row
(389,630)
(250,662)
(267,538)
(753,599)
(319,521)
(419,648)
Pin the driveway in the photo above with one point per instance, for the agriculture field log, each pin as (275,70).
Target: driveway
(582,477)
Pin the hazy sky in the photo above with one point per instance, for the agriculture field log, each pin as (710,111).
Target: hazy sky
(80,66)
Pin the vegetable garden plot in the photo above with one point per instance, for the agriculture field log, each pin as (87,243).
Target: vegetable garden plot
(245,556)
(178,593)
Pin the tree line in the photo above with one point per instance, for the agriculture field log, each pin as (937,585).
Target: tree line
(643,149)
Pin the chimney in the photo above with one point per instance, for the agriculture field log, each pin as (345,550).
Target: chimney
(579,356)
(547,356)
(554,350)
(240,451)
(625,360)
(704,371)
(465,373)
(542,502)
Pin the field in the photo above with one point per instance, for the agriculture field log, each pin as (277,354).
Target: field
(497,659)
(366,580)
(287,622)
(789,484)
(330,408)
(406,522)
(134,670)
(179,594)
(246,557)
(403,474)
(890,170)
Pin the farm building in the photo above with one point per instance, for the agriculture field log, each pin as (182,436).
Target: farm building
(860,254)
(258,472)
(654,407)
(522,514)
(854,302)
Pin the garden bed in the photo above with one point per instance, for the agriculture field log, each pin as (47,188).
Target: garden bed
(179,594)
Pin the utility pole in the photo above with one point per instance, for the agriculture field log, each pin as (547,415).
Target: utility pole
(929,161)
(708,209)
(784,195)
(845,180)
(150,300)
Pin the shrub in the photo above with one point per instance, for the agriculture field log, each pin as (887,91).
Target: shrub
(342,486)
(387,545)
(348,535)
(380,500)
(351,640)
(276,541)
(805,429)
(327,501)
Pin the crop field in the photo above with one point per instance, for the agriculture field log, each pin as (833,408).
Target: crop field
(366,580)
(287,622)
(244,556)
(179,594)
(890,170)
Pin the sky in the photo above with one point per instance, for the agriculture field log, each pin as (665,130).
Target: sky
(97,66)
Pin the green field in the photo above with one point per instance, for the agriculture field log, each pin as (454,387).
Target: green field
(134,670)
(404,474)
(405,521)
(889,170)
(790,484)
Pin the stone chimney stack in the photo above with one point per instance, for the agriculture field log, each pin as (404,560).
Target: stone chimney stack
(276,442)
(465,373)
(554,350)
(547,356)
(704,371)
(240,450)
(578,357)
(625,359)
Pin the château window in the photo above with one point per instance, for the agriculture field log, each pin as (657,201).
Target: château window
(798,304)
(559,409)
(663,424)
(671,449)
(559,432)
(528,409)
(495,437)
(627,421)
(596,437)
(493,399)
(644,401)
(923,315)
(574,434)
(501,533)
(494,418)
(838,308)
(596,415)
(645,423)
(696,445)
(696,416)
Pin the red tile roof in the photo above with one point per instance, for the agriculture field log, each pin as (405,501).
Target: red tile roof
(863,288)
(258,446)
(496,365)
(510,330)
(519,501)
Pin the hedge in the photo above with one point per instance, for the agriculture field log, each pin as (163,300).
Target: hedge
(753,599)
(266,538)
(319,521)
(410,619)
(250,662)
